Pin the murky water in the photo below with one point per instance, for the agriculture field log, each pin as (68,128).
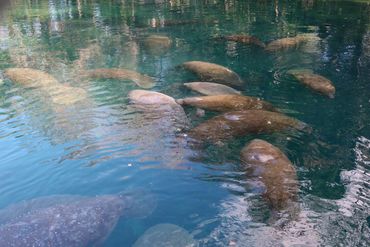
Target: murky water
(82,137)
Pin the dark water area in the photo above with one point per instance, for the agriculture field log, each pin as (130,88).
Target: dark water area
(101,145)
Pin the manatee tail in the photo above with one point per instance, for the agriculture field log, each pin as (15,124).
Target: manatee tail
(140,202)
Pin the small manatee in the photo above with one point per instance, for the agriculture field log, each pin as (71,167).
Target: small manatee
(290,42)
(245,39)
(240,123)
(225,103)
(315,82)
(211,72)
(210,88)
(157,44)
(142,81)
(167,235)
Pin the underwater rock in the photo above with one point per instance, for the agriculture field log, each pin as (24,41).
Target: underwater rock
(30,77)
(142,81)
(225,103)
(290,42)
(168,235)
(315,82)
(210,88)
(157,44)
(240,123)
(73,221)
(268,164)
(245,39)
(211,72)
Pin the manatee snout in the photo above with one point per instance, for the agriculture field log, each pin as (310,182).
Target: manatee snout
(139,203)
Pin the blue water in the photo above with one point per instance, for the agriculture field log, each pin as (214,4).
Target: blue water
(104,147)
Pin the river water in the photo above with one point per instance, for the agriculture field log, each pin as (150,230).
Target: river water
(102,145)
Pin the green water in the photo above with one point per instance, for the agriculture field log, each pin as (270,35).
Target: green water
(104,147)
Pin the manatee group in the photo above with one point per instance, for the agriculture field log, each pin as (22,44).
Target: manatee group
(211,72)
(66,220)
(315,82)
(268,164)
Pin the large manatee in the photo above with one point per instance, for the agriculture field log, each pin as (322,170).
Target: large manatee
(59,93)
(290,42)
(214,73)
(168,235)
(225,103)
(121,74)
(245,39)
(240,123)
(72,221)
(314,81)
(269,165)
(210,88)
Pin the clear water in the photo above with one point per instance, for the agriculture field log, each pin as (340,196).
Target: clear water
(104,147)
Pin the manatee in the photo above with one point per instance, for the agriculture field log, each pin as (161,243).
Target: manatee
(157,44)
(159,121)
(142,81)
(269,165)
(210,88)
(240,123)
(59,93)
(168,235)
(245,39)
(73,221)
(314,81)
(290,42)
(225,103)
(211,72)
(30,77)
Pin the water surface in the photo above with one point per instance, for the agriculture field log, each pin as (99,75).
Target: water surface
(104,146)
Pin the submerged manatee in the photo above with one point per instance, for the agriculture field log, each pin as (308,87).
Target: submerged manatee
(214,73)
(225,103)
(210,88)
(245,39)
(159,121)
(168,235)
(240,123)
(268,164)
(72,221)
(290,42)
(59,93)
(314,81)
(157,44)
(30,77)
(121,74)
